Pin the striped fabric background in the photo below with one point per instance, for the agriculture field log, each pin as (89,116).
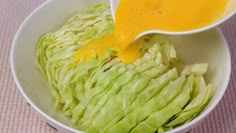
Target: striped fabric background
(17,117)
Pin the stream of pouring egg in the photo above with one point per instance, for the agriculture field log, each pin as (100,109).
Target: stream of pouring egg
(136,16)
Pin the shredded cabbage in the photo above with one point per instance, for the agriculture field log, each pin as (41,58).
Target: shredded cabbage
(106,95)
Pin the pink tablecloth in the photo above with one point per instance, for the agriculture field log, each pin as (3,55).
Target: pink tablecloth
(17,117)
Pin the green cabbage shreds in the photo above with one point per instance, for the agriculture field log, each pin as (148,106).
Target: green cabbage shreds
(56,50)
(105,95)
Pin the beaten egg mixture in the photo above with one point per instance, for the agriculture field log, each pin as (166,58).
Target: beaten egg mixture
(136,16)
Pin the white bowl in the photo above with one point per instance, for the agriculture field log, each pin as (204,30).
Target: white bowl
(229,12)
(209,46)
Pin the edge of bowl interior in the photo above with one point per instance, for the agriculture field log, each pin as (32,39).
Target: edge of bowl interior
(41,114)
(188,126)
(184,127)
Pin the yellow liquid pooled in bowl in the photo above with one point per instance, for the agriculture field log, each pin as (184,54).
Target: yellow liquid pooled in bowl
(135,16)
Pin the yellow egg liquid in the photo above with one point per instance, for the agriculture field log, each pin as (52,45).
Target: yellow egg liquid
(136,16)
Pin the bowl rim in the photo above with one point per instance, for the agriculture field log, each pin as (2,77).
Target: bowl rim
(64,126)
